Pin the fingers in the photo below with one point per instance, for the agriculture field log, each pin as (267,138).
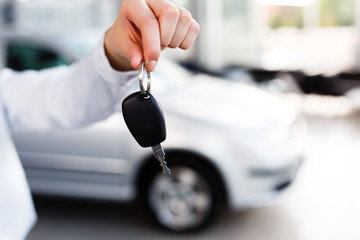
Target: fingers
(177,27)
(168,15)
(144,28)
(182,28)
(190,36)
(144,19)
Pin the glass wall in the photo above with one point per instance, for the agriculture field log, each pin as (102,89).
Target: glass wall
(285,16)
(337,12)
(44,16)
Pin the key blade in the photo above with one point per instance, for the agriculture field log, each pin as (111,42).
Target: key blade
(160,156)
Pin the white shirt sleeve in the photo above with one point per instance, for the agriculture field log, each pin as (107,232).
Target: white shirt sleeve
(64,97)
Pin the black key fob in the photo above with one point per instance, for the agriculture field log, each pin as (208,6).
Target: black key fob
(144,118)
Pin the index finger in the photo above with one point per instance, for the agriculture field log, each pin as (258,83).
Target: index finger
(144,19)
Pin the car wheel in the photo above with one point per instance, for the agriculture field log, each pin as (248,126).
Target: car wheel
(186,201)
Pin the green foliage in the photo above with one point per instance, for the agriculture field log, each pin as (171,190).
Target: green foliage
(337,12)
(285,17)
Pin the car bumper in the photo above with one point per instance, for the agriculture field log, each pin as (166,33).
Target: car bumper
(263,187)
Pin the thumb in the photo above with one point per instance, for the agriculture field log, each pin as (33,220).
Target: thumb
(135,55)
(125,56)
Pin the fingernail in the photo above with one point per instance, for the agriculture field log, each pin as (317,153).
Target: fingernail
(135,62)
(132,62)
(151,65)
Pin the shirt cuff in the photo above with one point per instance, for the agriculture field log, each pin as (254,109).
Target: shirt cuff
(105,70)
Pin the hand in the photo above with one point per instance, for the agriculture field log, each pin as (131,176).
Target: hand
(143,28)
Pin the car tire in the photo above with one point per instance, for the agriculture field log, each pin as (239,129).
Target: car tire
(187,201)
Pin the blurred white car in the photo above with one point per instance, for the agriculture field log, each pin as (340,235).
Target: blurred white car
(227,143)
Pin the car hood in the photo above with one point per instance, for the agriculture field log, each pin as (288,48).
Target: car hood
(228,104)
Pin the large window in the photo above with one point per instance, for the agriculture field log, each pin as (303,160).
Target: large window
(285,16)
(337,12)
(329,12)
(236,13)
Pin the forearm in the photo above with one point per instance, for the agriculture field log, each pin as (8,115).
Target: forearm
(64,97)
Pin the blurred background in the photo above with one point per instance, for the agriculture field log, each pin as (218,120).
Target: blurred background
(267,103)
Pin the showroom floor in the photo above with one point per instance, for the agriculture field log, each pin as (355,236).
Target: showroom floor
(324,202)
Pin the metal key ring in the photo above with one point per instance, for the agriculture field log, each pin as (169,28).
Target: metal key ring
(141,76)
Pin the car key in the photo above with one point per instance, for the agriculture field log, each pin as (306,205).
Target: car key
(145,119)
